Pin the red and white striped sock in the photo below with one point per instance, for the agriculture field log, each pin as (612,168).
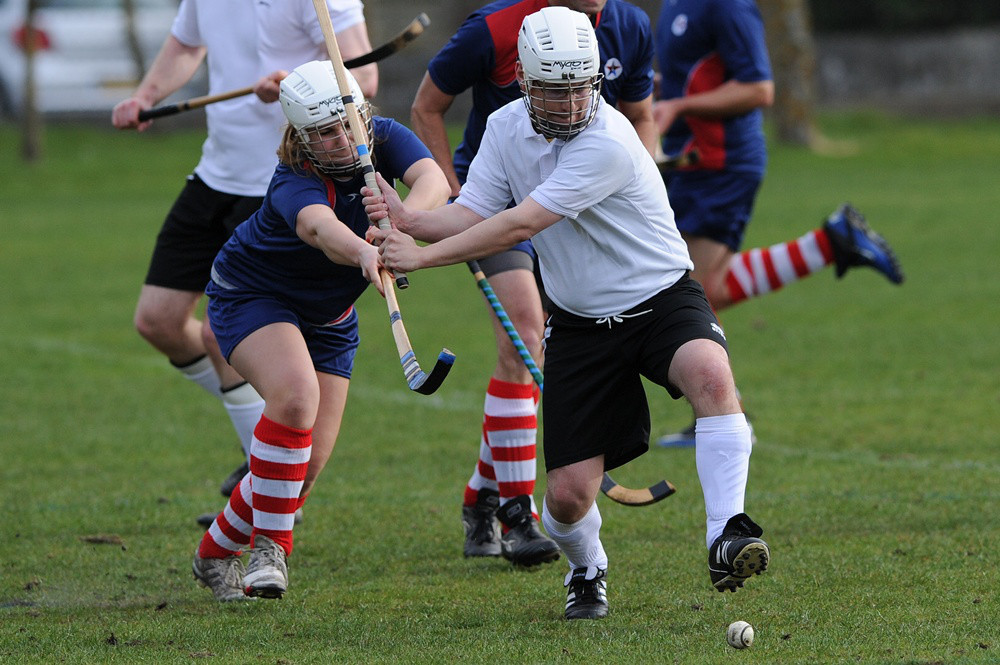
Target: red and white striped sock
(279,457)
(756,272)
(230,532)
(510,427)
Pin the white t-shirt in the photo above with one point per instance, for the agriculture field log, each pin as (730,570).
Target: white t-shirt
(238,156)
(617,244)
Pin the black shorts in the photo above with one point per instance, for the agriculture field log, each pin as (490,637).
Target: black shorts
(196,228)
(594,401)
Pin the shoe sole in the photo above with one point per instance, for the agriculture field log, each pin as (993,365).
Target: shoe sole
(752,560)
(265,588)
(266,591)
(856,224)
(594,612)
(481,554)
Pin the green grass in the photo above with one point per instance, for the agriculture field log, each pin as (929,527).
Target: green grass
(875,475)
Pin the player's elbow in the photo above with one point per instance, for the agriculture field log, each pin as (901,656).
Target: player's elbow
(420,113)
(520,233)
(765,94)
(434,188)
(367,78)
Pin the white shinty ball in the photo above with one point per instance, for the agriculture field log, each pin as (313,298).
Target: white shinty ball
(739,634)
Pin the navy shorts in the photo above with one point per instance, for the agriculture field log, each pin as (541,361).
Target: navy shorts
(235,313)
(713,204)
(197,226)
(594,400)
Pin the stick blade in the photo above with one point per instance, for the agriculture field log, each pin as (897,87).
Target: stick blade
(684,160)
(426,384)
(636,497)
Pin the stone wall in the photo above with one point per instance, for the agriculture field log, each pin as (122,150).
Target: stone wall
(942,73)
(950,72)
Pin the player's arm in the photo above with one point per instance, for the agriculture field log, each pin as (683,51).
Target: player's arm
(483,238)
(426,225)
(354,42)
(428,185)
(640,114)
(427,120)
(174,66)
(318,227)
(729,99)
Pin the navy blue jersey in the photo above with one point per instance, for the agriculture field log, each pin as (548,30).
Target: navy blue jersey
(701,44)
(266,256)
(482,53)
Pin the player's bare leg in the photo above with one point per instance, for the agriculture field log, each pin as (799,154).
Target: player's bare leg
(700,369)
(711,263)
(571,517)
(165,318)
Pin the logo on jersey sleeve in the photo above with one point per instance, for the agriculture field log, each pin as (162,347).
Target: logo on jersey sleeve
(680,25)
(613,69)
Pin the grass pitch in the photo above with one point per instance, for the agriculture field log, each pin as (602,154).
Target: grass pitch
(875,475)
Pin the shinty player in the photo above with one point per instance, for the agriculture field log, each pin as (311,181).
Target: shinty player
(281,304)
(499,495)
(716,78)
(590,196)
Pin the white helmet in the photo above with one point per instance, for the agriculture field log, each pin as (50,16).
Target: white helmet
(557,49)
(311,100)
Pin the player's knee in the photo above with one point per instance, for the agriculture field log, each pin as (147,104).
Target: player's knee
(155,328)
(207,336)
(710,388)
(567,502)
(294,404)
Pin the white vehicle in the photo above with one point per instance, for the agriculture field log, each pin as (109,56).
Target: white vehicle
(84,64)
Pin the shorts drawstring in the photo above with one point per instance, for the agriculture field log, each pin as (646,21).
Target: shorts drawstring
(619,318)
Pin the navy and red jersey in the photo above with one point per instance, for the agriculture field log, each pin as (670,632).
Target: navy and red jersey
(482,53)
(265,255)
(701,44)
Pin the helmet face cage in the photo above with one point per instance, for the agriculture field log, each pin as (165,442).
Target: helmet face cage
(562,109)
(330,145)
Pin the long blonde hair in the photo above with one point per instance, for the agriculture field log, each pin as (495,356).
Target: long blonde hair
(290,151)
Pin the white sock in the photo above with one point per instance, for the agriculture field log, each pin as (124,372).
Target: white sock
(722,455)
(581,541)
(202,372)
(245,407)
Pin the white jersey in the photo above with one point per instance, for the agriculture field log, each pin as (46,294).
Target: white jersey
(239,154)
(617,244)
